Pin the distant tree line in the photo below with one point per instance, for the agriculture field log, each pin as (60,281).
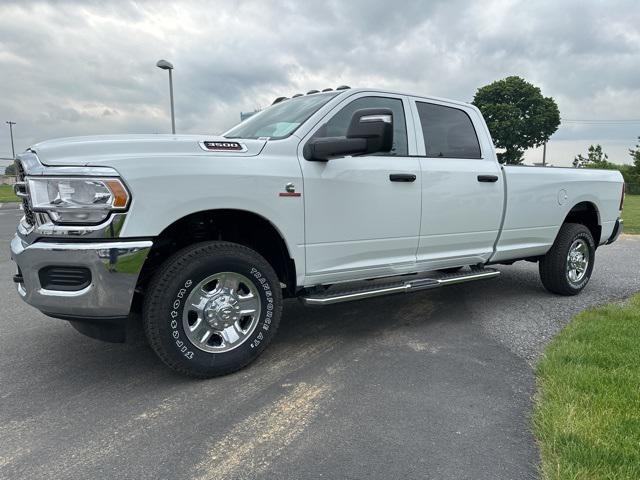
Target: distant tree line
(596,158)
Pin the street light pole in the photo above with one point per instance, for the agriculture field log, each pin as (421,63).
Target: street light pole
(164,65)
(173,115)
(13,150)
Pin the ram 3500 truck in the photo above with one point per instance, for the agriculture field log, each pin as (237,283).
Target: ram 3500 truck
(331,196)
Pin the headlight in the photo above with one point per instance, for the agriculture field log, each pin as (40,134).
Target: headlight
(77,200)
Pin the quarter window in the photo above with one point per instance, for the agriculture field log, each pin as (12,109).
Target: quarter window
(338,124)
(448,132)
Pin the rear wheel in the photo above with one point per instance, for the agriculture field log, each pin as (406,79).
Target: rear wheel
(567,266)
(212,308)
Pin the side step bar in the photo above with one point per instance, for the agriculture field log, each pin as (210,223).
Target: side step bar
(327,298)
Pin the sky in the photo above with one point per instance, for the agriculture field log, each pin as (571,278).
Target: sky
(88,67)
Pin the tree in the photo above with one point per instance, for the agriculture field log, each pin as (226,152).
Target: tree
(10,170)
(635,154)
(518,116)
(595,158)
(632,175)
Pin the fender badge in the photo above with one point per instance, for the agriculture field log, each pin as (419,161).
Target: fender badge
(290,191)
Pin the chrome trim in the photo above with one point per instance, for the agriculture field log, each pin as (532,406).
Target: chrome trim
(221,312)
(578,259)
(114,266)
(20,189)
(406,287)
(64,293)
(45,227)
(33,167)
(375,118)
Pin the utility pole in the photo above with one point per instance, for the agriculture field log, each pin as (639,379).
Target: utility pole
(13,150)
(544,154)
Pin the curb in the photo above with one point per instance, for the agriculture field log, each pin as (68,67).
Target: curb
(10,206)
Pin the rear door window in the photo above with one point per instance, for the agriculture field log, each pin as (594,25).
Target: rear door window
(448,132)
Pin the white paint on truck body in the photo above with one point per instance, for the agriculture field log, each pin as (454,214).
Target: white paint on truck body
(350,222)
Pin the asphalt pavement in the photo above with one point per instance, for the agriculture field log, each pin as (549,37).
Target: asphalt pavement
(435,384)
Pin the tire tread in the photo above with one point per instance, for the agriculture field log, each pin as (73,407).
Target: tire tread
(172,266)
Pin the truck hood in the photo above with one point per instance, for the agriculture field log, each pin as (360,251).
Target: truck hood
(85,150)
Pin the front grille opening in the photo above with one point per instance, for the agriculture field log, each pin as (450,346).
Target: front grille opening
(26,206)
(64,278)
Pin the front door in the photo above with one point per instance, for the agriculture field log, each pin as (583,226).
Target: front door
(362,213)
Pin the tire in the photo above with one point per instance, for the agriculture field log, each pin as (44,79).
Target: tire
(555,272)
(209,283)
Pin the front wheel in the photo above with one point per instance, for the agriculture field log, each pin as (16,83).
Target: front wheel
(567,266)
(212,308)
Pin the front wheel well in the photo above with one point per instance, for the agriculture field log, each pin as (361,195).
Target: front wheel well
(236,226)
(586,213)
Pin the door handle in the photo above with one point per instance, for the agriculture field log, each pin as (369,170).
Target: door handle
(402,177)
(487,178)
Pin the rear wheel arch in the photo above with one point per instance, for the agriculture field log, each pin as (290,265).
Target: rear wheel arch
(586,213)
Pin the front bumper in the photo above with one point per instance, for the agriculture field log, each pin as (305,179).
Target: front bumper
(114,266)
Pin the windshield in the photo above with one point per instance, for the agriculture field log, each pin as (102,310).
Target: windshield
(281,119)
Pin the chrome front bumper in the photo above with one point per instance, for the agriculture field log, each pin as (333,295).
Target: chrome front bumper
(114,267)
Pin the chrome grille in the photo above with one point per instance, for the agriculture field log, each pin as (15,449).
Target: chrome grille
(26,206)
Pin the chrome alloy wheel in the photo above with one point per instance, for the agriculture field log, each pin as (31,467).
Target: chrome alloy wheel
(221,312)
(577,260)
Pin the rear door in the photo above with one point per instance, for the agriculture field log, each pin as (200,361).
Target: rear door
(462,186)
(360,221)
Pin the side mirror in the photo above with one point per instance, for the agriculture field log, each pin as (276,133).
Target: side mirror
(370,131)
(376,126)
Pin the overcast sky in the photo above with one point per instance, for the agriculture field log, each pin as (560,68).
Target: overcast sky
(88,67)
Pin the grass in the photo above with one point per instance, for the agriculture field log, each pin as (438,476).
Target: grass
(587,412)
(631,214)
(6,194)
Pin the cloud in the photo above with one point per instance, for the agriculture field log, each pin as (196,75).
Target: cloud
(83,67)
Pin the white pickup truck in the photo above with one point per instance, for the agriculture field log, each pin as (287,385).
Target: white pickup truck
(331,196)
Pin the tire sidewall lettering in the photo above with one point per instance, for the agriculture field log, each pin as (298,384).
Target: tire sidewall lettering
(173,322)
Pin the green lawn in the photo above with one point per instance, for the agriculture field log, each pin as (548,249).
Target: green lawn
(587,412)
(6,194)
(631,214)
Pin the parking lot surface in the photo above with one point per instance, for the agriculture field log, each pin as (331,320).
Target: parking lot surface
(435,384)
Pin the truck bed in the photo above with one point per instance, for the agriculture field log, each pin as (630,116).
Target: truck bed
(539,199)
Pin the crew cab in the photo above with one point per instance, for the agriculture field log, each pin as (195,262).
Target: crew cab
(331,196)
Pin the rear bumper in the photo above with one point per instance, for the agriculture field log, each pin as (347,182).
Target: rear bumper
(114,267)
(617,231)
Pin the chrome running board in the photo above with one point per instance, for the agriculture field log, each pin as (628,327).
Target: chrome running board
(439,280)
